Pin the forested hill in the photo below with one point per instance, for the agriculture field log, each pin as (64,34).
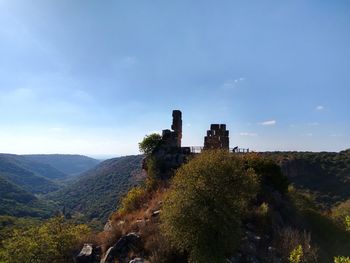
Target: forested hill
(70,164)
(325,174)
(31,176)
(16,201)
(97,192)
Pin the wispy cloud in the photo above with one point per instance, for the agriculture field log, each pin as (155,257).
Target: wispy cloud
(268,122)
(320,107)
(233,83)
(250,134)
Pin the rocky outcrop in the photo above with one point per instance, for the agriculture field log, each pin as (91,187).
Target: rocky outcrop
(88,254)
(127,243)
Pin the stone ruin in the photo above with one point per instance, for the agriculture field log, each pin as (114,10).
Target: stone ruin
(170,155)
(173,138)
(217,137)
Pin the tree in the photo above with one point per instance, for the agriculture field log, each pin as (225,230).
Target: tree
(202,212)
(54,241)
(149,143)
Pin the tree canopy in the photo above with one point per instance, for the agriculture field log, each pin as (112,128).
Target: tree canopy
(149,143)
(202,212)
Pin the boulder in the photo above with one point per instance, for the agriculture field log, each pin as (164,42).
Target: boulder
(85,255)
(121,248)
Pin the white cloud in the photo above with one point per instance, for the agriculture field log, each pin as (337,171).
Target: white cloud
(319,107)
(313,123)
(232,83)
(251,134)
(309,134)
(268,123)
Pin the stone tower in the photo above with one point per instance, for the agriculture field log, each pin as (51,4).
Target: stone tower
(177,126)
(217,137)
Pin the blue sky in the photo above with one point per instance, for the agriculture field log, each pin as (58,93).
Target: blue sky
(93,77)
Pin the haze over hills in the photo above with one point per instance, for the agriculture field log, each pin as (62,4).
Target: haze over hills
(70,164)
(24,178)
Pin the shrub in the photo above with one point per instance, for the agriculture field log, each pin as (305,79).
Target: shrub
(268,171)
(341,260)
(149,143)
(203,208)
(54,241)
(288,242)
(133,200)
(296,255)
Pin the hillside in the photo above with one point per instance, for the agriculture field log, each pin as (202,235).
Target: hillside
(97,192)
(325,174)
(69,164)
(15,201)
(31,176)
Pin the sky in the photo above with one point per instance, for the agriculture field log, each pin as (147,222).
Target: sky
(94,77)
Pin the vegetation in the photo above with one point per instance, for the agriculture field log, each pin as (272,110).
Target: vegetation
(149,143)
(326,174)
(98,192)
(66,163)
(296,255)
(133,200)
(15,201)
(53,241)
(203,208)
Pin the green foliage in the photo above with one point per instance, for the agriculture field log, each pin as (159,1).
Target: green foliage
(341,260)
(347,223)
(95,194)
(263,209)
(268,171)
(133,200)
(149,143)
(203,209)
(153,173)
(54,241)
(15,201)
(296,255)
(326,174)
(70,164)
(329,237)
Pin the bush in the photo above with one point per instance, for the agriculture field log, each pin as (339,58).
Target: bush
(54,241)
(268,171)
(149,143)
(202,211)
(341,260)
(133,200)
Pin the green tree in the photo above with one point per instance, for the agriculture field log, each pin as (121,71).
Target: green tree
(296,255)
(149,143)
(54,241)
(202,211)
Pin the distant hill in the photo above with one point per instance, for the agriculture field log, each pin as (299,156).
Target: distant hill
(96,193)
(15,201)
(31,176)
(325,174)
(67,163)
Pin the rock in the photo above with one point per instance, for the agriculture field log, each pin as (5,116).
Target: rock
(108,226)
(121,248)
(156,213)
(85,255)
(138,260)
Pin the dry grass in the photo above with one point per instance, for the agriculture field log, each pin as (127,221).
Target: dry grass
(289,238)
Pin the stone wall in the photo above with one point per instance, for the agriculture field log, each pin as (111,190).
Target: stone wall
(217,137)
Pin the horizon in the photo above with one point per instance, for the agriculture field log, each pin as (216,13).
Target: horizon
(93,79)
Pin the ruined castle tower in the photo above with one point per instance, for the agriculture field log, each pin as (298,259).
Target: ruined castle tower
(177,126)
(217,137)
